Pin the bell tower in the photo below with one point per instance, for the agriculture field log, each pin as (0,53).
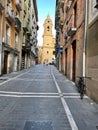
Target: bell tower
(48,26)
(48,41)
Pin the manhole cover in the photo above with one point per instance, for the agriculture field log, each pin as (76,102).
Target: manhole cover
(38,125)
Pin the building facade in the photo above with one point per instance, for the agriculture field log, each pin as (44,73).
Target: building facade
(29,33)
(70,25)
(92,49)
(76,24)
(16,37)
(10,38)
(46,52)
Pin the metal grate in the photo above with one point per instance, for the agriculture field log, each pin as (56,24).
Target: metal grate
(36,125)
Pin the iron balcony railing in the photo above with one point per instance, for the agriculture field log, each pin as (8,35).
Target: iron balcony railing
(26,44)
(71,27)
(17,23)
(29,32)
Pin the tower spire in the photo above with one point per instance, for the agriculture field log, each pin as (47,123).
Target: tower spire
(48,16)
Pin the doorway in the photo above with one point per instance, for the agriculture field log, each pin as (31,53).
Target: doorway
(5,62)
(73,60)
(66,62)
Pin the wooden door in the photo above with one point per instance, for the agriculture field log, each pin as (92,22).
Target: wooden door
(74,61)
(5,62)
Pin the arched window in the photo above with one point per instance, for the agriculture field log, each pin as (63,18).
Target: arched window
(48,28)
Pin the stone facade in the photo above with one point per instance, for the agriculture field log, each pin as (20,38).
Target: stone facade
(92,50)
(47,50)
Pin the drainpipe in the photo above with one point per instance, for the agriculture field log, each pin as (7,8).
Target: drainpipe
(1,51)
(85,36)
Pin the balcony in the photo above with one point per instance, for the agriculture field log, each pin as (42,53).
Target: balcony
(23,42)
(61,22)
(71,27)
(25,26)
(17,23)
(10,14)
(1,5)
(18,5)
(29,32)
(62,3)
(26,44)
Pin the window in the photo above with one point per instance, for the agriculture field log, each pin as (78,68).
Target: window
(75,15)
(7,34)
(47,52)
(16,40)
(48,28)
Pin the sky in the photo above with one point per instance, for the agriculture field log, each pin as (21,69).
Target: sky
(45,7)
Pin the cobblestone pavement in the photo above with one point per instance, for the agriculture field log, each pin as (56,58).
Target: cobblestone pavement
(41,98)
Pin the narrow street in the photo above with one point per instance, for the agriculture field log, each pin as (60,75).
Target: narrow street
(41,98)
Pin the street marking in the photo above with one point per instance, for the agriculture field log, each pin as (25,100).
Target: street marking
(73,97)
(49,95)
(74,94)
(66,108)
(26,93)
(13,78)
(28,96)
(43,95)
(27,79)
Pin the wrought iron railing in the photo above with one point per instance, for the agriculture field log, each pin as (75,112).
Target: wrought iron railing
(17,22)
